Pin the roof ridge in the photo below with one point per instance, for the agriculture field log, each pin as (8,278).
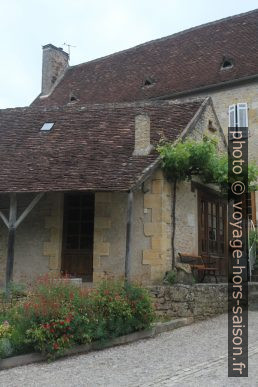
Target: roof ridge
(109,105)
(232,17)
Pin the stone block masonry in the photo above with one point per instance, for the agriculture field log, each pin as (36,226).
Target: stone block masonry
(158,228)
(198,301)
(102,223)
(54,226)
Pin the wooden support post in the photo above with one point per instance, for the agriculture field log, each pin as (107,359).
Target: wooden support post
(129,236)
(11,239)
(12,225)
(28,209)
(4,219)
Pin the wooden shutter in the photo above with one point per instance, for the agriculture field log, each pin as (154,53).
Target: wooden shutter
(242,115)
(232,116)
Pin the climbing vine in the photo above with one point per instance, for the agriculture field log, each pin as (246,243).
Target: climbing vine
(185,159)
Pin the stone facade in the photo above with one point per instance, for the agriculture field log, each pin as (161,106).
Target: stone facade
(199,301)
(157,201)
(38,247)
(102,225)
(223,98)
(52,248)
(33,235)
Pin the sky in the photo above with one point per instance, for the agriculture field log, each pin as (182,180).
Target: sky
(95,27)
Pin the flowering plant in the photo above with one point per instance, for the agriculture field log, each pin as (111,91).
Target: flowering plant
(57,315)
(52,338)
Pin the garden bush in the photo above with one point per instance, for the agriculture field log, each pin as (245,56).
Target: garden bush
(56,315)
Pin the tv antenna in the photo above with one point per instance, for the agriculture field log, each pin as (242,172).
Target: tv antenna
(68,48)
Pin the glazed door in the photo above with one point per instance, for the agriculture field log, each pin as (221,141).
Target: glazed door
(212,229)
(78,228)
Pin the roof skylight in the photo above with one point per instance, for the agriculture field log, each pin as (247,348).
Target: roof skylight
(47,126)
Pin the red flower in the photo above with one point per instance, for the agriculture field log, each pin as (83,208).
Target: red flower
(71,296)
(56,346)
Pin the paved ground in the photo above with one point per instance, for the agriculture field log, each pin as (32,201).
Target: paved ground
(195,355)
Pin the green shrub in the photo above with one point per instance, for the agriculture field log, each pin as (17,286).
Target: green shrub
(6,348)
(252,237)
(57,314)
(52,338)
(170,277)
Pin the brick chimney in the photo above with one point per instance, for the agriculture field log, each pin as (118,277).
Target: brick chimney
(54,64)
(142,146)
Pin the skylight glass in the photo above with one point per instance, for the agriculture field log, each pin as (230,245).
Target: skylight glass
(47,126)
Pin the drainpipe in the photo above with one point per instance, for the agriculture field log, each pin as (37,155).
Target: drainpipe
(128,251)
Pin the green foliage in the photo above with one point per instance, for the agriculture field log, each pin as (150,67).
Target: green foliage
(6,348)
(185,159)
(170,277)
(188,158)
(5,330)
(57,314)
(52,338)
(252,237)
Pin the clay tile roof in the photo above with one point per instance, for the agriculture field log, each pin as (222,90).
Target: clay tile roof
(185,61)
(89,147)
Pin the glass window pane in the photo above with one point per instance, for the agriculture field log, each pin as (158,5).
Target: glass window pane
(73,214)
(73,201)
(72,242)
(73,228)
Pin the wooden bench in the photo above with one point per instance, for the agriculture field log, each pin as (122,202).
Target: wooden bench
(200,265)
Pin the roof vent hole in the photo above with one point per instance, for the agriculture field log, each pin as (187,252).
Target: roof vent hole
(227,63)
(148,81)
(73,98)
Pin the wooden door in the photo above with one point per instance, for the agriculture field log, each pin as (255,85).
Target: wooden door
(212,229)
(78,230)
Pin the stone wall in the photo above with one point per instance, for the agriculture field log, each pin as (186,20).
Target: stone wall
(199,301)
(102,223)
(186,235)
(225,97)
(157,226)
(52,248)
(37,238)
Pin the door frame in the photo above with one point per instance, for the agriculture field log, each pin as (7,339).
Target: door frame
(64,230)
(207,195)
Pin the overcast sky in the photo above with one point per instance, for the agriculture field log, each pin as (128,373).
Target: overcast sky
(95,27)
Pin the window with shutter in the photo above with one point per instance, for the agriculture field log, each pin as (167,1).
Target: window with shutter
(242,115)
(238,115)
(232,116)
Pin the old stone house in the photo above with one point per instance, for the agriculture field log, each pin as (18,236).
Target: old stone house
(92,163)
(218,59)
(86,148)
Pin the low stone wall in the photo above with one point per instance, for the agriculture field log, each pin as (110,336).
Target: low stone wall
(198,301)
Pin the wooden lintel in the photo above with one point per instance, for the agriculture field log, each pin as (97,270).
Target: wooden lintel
(4,219)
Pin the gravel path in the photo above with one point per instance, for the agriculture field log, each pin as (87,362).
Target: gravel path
(195,355)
